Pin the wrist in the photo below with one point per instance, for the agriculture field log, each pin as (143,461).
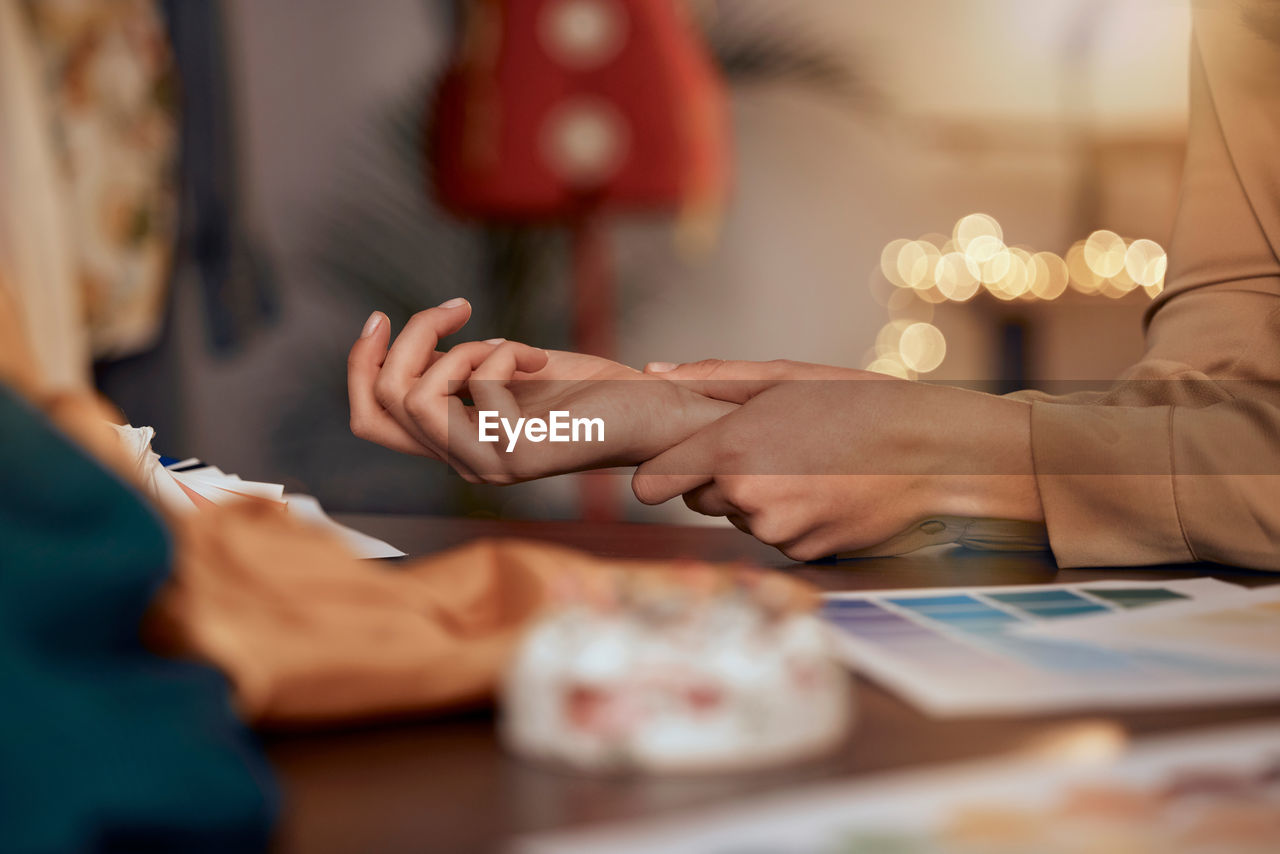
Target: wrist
(675,415)
(997,478)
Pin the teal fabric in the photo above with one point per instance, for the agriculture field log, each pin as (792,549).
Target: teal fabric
(104,746)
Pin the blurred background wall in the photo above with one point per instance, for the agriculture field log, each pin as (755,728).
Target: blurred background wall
(854,124)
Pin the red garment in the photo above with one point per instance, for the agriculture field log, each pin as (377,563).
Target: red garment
(553,108)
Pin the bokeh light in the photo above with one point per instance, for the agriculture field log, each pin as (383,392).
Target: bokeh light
(889,262)
(957,277)
(1146,263)
(904,305)
(916,260)
(933,269)
(922,347)
(976,225)
(1104,252)
(1052,277)
(891,366)
(1083,279)
(890,336)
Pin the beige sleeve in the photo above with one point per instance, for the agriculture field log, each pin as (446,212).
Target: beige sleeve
(1180,460)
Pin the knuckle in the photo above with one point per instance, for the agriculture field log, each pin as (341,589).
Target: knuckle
(769,529)
(699,503)
(781,367)
(417,404)
(804,550)
(385,391)
(517,470)
(707,368)
(420,317)
(742,492)
(691,500)
(471,349)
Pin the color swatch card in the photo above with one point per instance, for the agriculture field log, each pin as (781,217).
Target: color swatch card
(1244,628)
(965,651)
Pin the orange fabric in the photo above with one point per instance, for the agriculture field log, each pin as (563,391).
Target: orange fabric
(308,634)
(311,636)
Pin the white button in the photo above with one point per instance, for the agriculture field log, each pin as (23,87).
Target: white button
(582,34)
(585,140)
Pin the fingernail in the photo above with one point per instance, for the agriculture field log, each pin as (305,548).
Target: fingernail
(494,341)
(453,303)
(371,325)
(660,367)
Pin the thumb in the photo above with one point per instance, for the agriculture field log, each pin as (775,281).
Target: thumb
(370,350)
(732,381)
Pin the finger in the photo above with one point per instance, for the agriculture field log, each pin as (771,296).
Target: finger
(490,382)
(415,348)
(434,408)
(679,469)
(709,500)
(369,420)
(732,381)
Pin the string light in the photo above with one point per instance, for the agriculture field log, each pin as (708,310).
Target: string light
(957,277)
(1052,276)
(1146,263)
(1104,252)
(922,347)
(935,269)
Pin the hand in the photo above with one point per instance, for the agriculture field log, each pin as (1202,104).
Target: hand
(820,460)
(410,398)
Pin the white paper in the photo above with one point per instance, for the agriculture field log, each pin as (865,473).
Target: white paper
(913,811)
(360,544)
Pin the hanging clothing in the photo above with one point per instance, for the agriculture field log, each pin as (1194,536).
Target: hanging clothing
(111,89)
(217,244)
(38,262)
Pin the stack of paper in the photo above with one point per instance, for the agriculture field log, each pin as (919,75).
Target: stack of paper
(184,486)
(201,485)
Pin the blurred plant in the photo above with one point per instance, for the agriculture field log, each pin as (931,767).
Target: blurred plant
(776,43)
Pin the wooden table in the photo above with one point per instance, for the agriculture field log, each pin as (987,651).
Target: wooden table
(446,785)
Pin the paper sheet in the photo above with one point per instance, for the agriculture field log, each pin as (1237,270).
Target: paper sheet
(361,544)
(1215,791)
(960,651)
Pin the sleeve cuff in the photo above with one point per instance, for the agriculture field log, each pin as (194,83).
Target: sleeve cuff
(1105,475)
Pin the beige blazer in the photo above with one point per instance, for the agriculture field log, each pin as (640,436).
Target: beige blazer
(1180,460)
